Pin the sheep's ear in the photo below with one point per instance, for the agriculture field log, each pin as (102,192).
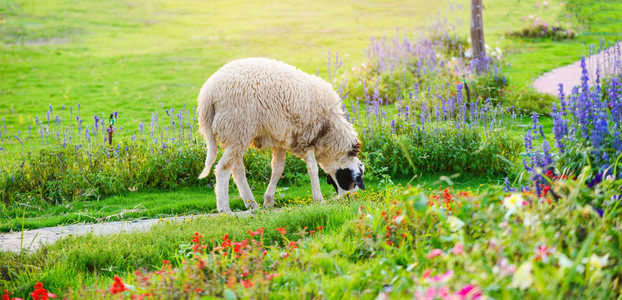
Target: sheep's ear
(356,149)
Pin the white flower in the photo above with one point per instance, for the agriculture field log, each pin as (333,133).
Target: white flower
(530,220)
(596,262)
(513,203)
(523,278)
(566,263)
(455,224)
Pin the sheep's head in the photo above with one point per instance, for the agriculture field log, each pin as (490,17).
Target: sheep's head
(347,174)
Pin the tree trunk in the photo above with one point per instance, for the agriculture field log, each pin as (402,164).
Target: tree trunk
(477,31)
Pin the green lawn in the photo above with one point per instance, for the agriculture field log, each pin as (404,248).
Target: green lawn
(119,56)
(193,200)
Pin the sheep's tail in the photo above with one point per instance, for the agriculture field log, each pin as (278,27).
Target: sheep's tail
(206,117)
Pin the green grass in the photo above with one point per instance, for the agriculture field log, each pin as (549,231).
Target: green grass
(593,21)
(346,257)
(193,200)
(118,56)
(77,261)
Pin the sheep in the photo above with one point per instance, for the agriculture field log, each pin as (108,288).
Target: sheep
(263,103)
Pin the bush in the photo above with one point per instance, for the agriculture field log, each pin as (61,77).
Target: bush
(541,29)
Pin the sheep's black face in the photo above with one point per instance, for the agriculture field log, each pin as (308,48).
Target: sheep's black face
(347,180)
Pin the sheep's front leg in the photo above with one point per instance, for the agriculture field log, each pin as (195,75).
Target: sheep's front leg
(313,174)
(239,176)
(278,164)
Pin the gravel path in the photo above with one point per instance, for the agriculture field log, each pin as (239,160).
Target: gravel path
(608,61)
(33,239)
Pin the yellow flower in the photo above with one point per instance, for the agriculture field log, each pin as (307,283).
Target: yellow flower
(523,278)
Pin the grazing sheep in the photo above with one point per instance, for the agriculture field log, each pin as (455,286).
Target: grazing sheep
(267,103)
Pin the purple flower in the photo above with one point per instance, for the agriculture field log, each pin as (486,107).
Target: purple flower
(597,179)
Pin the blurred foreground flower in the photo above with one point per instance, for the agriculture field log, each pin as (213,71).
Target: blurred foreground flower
(513,203)
(523,278)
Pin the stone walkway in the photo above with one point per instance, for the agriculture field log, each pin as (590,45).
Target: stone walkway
(33,239)
(570,75)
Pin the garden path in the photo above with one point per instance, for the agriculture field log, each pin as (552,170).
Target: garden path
(33,239)
(607,60)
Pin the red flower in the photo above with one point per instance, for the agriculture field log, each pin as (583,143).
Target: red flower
(198,247)
(320,228)
(6,295)
(201,264)
(118,286)
(311,231)
(284,255)
(226,242)
(389,243)
(40,293)
(246,283)
(237,246)
(141,296)
(293,244)
(281,230)
(258,232)
(271,276)
(197,238)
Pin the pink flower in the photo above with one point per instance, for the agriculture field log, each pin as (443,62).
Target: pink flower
(426,274)
(542,253)
(433,293)
(434,253)
(443,277)
(458,249)
(469,292)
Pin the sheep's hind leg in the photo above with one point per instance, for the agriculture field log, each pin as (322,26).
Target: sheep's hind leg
(278,164)
(239,176)
(223,173)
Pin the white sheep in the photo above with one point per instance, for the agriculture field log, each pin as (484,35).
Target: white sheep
(267,103)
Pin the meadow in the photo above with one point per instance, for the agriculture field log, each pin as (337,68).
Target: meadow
(478,185)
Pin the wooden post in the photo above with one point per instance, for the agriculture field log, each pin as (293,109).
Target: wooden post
(477,30)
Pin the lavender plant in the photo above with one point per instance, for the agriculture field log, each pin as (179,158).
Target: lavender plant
(73,158)
(588,124)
